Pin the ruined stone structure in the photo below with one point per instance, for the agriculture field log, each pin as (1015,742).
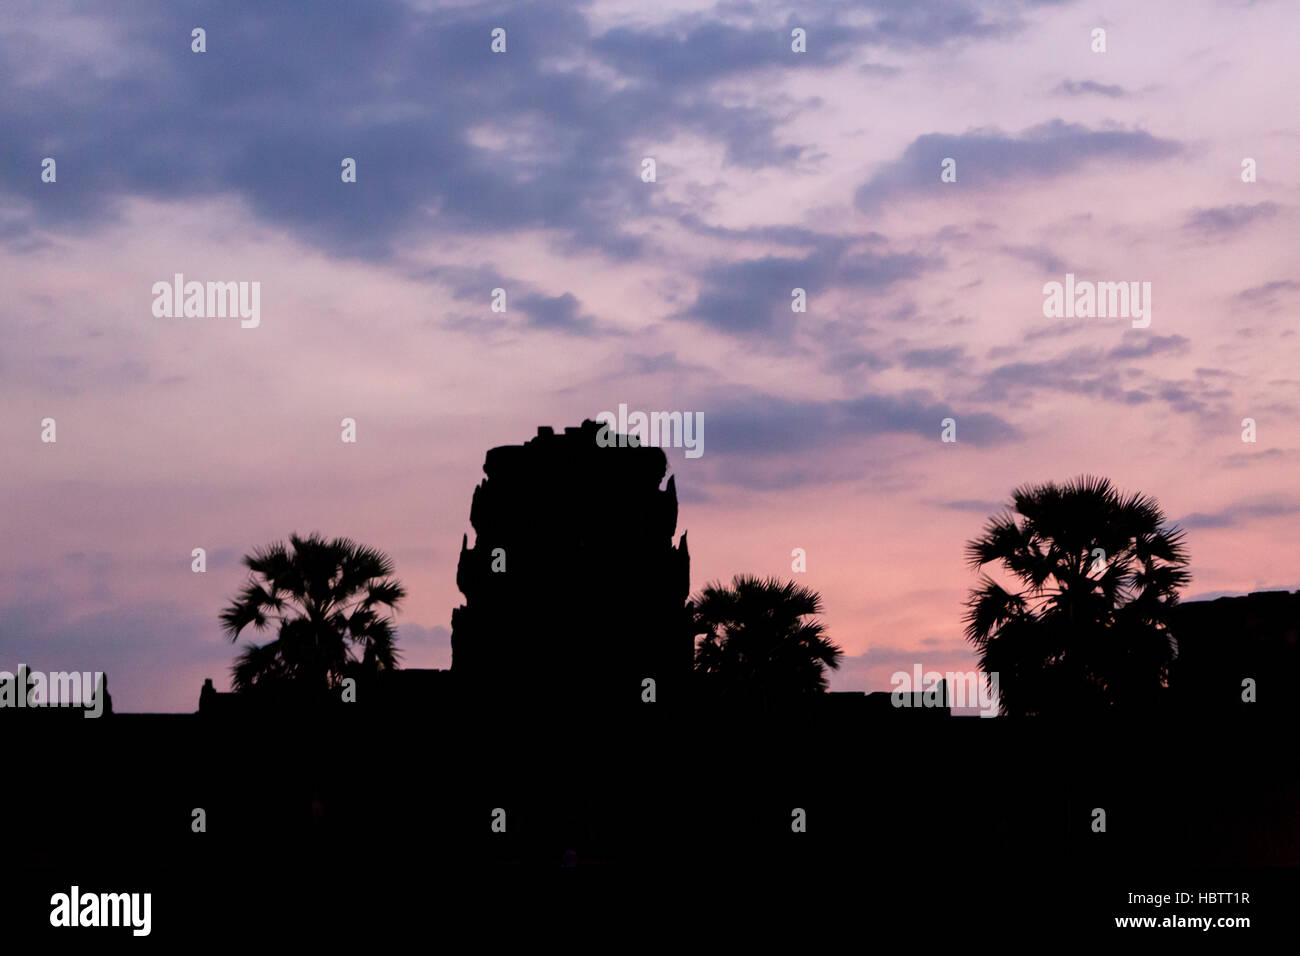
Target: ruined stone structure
(574,590)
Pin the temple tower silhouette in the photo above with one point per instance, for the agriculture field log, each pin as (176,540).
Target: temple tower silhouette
(574,590)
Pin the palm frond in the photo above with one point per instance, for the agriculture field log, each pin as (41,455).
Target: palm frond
(327,597)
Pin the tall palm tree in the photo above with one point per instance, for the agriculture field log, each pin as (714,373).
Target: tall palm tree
(757,643)
(1086,627)
(326,601)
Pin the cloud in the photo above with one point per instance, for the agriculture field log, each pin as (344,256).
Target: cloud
(691,53)
(988,157)
(1243,459)
(974,506)
(1240,513)
(945,357)
(854,361)
(692,50)
(879,70)
(760,424)
(475,285)
(1220,221)
(638,364)
(1265,296)
(1098,374)
(1137,345)
(1046,260)
(448,137)
(555,312)
(754,295)
(901,23)
(1079,371)
(1090,88)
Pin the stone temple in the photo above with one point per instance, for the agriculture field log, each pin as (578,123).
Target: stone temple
(574,589)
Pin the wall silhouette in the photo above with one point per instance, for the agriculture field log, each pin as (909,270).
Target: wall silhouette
(1223,642)
(574,591)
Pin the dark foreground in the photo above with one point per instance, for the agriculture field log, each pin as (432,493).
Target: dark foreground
(651,822)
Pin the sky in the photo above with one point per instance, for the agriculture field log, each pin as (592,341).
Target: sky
(522,170)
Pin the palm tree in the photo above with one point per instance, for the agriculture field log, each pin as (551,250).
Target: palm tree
(756,643)
(325,600)
(1087,626)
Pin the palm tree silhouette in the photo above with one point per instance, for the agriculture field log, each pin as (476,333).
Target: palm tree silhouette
(1087,628)
(756,643)
(326,600)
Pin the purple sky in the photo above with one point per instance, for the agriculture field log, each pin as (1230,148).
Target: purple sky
(521,171)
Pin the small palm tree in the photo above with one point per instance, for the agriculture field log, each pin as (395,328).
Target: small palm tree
(325,600)
(757,643)
(1087,627)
